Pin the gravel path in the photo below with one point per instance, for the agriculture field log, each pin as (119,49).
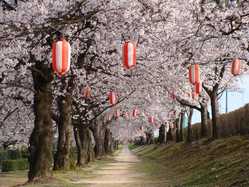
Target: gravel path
(121,172)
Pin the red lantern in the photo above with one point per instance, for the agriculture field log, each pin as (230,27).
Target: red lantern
(135,112)
(194,73)
(87,92)
(129,55)
(127,115)
(194,95)
(236,67)
(117,113)
(112,98)
(151,119)
(198,88)
(61,54)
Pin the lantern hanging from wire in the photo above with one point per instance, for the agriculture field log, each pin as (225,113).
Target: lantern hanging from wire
(151,119)
(61,56)
(126,115)
(117,113)
(129,55)
(112,98)
(198,88)
(194,95)
(194,73)
(87,92)
(235,67)
(135,112)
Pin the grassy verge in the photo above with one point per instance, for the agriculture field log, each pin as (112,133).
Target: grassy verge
(132,146)
(222,162)
(59,178)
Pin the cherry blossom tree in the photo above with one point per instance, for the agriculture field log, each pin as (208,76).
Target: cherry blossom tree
(169,36)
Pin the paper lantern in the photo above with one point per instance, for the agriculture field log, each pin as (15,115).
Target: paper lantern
(236,67)
(198,88)
(135,112)
(129,55)
(194,95)
(112,98)
(194,73)
(87,92)
(61,54)
(126,115)
(151,119)
(117,113)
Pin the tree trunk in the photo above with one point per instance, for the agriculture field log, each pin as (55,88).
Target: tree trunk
(162,134)
(179,134)
(181,127)
(116,142)
(214,108)
(189,134)
(78,145)
(62,156)
(204,119)
(92,144)
(40,142)
(169,134)
(85,145)
(107,142)
(99,139)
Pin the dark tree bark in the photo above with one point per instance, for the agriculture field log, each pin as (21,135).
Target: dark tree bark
(78,145)
(108,141)
(189,134)
(85,145)
(162,134)
(149,137)
(99,137)
(215,112)
(116,143)
(179,134)
(204,119)
(62,156)
(181,127)
(213,94)
(40,142)
(169,135)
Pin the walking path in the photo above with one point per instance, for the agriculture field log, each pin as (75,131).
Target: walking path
(122,172)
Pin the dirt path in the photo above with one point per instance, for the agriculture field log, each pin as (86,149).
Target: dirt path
(122,172)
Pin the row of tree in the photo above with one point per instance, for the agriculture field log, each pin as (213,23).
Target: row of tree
(169,37)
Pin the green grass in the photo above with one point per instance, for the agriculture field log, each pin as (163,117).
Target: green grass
(59,178)
(132,146)
(223,162)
